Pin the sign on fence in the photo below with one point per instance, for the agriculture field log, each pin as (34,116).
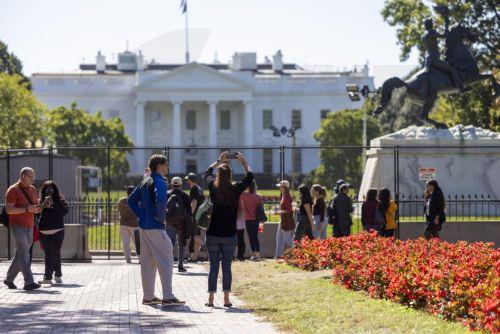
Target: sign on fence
(427,173)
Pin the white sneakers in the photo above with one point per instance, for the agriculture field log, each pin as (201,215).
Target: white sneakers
(57,280)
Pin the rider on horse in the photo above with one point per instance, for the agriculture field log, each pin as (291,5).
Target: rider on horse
(433,59)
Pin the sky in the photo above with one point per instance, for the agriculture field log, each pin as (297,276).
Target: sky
(57,35)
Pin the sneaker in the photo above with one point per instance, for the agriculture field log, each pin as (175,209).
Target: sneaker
(10,285)
(181,269)
(32,286)
(153,301)
(45,281)
(129,260)
(253,258)
(58,280)
(172,302)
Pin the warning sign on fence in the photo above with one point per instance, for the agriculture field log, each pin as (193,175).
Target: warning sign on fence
(427,173)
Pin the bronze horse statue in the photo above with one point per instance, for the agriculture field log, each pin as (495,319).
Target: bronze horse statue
(425,86)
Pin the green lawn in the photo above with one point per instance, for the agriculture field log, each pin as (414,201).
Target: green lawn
(308,302)
(98,237)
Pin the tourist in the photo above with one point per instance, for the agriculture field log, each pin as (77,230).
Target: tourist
(368,212)
(318,210)
(128,225)
(336,189)
(240,227)
(51,230)
(435,205)
(341,210)
(221,235)
(286,228)
(250,200)
(149,203)
(388,208)
(305,220)
(179,219)
(197,198)
(21,204)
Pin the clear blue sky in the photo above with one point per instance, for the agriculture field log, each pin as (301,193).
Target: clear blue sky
(54,35)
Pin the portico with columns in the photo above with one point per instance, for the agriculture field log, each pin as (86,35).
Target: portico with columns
(219,109)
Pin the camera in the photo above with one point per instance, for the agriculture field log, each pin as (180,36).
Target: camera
(233,156)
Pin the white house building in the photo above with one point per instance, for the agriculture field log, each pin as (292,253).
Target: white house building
(195,105)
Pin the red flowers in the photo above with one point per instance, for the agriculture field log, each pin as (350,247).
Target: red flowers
(456,281)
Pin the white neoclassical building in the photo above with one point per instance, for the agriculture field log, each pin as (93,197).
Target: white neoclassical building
(194,105)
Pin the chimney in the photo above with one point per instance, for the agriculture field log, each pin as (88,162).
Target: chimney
(139,59)
(278,61)
(244,61)
(100,62)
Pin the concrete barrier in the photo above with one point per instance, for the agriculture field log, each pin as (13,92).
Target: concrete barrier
(476,231)
(75,244)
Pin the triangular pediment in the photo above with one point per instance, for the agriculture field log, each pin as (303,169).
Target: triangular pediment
(194,77)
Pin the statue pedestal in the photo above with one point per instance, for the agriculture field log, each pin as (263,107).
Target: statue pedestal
(464,161)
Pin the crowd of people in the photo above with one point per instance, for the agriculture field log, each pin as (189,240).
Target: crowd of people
(157,219)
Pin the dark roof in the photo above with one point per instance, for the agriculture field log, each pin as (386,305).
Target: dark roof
(170,67)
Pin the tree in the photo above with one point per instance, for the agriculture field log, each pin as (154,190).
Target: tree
(21,114)
(478,106)
(10,64)
(75,127)
(343,128)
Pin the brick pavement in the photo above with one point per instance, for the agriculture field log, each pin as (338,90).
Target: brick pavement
(106,296)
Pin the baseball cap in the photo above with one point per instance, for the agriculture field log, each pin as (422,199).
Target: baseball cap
(176,181)
(283,183)
(191,176)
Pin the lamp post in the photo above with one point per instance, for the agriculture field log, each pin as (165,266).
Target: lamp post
(290,133)
(355,94)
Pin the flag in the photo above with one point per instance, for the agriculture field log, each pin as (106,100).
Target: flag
(184,6)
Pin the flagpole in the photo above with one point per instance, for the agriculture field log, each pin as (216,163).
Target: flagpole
(187,36)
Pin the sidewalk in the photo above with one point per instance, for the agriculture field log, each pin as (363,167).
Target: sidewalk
(106,296)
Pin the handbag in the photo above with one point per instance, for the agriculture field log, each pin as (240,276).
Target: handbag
(260,214)
(287,221)
(204,214)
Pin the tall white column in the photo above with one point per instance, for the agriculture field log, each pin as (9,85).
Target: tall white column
(175,154)
(140,137)
(249,140)
(212,130)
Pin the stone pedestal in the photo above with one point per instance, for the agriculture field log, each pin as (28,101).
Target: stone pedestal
(466,161)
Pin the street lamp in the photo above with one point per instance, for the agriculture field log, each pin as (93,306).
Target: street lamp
(355,94)
(290,133)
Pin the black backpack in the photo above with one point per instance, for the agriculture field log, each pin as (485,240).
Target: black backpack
(176,210)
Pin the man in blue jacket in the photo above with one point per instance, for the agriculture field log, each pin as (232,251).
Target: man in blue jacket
(149,201)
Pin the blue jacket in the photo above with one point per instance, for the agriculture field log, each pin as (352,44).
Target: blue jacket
(151,213)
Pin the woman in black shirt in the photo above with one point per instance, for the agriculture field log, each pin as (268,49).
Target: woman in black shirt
(51,227)
(305,220)
(221,236)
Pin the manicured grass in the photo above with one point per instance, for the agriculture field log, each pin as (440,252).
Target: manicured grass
(308,302)
(98,237)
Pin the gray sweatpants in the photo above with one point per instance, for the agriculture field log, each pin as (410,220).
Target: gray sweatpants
(156,254)
(21,260)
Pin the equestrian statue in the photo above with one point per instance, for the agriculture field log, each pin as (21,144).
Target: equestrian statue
(458,71)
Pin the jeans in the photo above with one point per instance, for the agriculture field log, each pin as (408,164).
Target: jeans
(174,234)
(303,228)
(341,230)
(52,244)
(283,238)
(21,261)
(241,244)
(218,248)
(252,227)
(320,227)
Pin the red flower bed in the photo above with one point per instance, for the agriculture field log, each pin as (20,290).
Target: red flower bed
(458,281)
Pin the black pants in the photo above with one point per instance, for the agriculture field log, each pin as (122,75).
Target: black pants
(52,244)
(241,244)
(303,228)
(340,231)
(252,227)
(432,231)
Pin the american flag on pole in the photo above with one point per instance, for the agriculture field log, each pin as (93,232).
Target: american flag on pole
(184,6)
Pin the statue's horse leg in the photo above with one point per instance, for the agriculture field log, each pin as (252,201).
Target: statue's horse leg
(426,109)
(386,93)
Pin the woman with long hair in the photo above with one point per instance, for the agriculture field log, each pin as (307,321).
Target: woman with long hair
(369,211)
(51,227)
(318,210)
(305,220)
(388,209)
(284,234)
(249,201)
(221,236)
(435,206)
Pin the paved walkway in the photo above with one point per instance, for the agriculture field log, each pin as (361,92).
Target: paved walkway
(106,296)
